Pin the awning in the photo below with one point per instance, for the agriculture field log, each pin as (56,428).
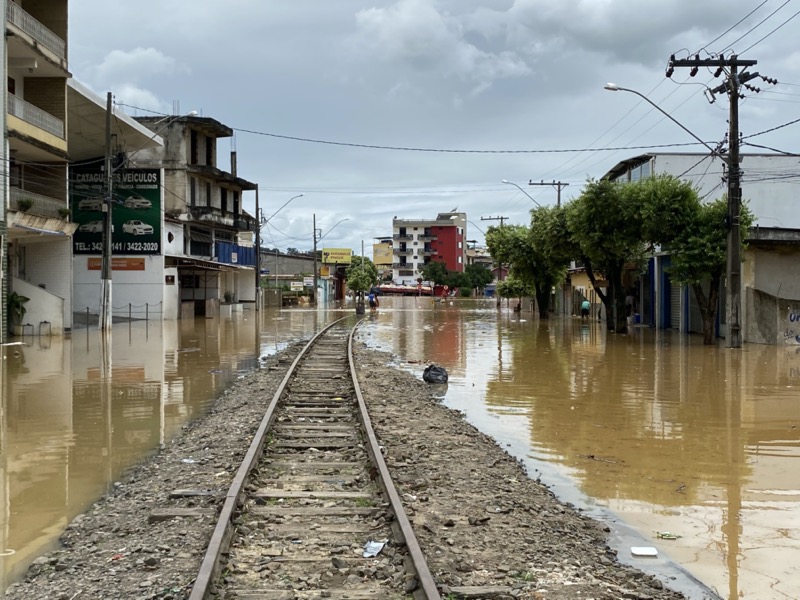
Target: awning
(197,236)
(184,262)
(37,229)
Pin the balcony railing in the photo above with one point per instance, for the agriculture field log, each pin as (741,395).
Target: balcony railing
(402,251)
(402,237)
(409,266)
(427,237)
(35,116)
(36,30)
(36,204)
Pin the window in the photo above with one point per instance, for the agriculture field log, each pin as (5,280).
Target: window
(192,191)
(460,245)
(193,147)
(460,259)
(208,194)
(210,151)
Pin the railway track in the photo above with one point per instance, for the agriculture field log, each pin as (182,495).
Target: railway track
(312,511)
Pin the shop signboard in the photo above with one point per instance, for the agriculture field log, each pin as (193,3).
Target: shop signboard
(135,210)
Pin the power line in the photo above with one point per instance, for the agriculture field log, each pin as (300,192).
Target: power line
(771,32)
(729,29)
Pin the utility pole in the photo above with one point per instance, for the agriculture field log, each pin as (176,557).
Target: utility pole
(556,184)
(315,258)
(105,293)
(501,219)
(732,85)
(258,255)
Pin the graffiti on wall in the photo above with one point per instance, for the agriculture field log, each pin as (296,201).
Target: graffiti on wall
(791,335)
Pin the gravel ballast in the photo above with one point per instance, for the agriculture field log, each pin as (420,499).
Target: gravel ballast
(480,520)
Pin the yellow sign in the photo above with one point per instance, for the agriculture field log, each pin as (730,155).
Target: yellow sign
(324,271)
(339,256)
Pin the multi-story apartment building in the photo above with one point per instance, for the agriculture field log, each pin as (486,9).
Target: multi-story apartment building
(50,122)
(36,246)
(209,243)
(416,242)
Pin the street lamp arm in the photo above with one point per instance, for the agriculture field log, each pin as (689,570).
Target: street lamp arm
(613,87)
(523,191)
(267,220)
(332,228)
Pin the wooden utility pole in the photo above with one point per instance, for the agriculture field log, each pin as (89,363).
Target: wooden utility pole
(258,255)
(732,85)
(315,259)
(556,184)
(501,219)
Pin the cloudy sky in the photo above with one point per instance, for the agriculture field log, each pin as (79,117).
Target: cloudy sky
(380,108)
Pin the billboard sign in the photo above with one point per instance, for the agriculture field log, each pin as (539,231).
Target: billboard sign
(135,211)
(338,256)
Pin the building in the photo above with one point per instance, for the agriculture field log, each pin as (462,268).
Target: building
(416,242)
(771,270)
(382,256)
(208,238)
(51,122)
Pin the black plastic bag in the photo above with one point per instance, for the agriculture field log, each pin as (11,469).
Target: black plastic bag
(435,374)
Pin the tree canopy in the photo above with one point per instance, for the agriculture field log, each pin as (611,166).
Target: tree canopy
(361,275)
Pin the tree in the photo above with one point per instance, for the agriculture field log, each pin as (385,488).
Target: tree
(436,271)
(513,288)
(606,223)
(476,276)
(695,236)
(361,275)
(552,252)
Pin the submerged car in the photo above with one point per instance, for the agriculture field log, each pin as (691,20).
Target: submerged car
(137,202)
(137,228)
(92,227)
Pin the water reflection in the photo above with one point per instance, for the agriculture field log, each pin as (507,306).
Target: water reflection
(667,433)
(76,414)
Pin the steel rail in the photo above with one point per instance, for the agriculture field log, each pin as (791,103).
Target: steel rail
(220,539)
(420,564)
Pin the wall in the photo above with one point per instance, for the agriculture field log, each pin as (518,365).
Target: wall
(135,288)
(42,306)
(770,197)
(171,295)
(49,262)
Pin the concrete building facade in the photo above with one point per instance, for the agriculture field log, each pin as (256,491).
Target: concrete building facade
(770,291)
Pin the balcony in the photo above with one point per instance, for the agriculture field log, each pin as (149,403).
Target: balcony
(427,237)
(402,251)
(402,265)
(402,237)
(38,32)
(35,116)
(427,252)
(36,204)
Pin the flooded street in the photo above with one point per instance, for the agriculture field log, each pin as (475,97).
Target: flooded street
(651,431)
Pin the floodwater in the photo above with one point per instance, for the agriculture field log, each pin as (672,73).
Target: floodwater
(651,431)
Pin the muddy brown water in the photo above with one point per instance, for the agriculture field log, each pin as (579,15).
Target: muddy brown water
(651,431)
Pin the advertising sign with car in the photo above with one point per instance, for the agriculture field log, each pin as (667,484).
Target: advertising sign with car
(135,211)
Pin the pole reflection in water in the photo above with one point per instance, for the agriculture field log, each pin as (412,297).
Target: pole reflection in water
(77,412)
(651,429)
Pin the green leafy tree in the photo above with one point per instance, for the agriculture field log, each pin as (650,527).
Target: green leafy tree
(552,252)
(477,276)
(528,252)
(513,287)
(361,275)
(606,223)
(696,236)
(436,271)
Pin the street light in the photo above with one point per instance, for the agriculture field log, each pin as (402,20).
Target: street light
(613,87)
(261,223)
(523,191)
